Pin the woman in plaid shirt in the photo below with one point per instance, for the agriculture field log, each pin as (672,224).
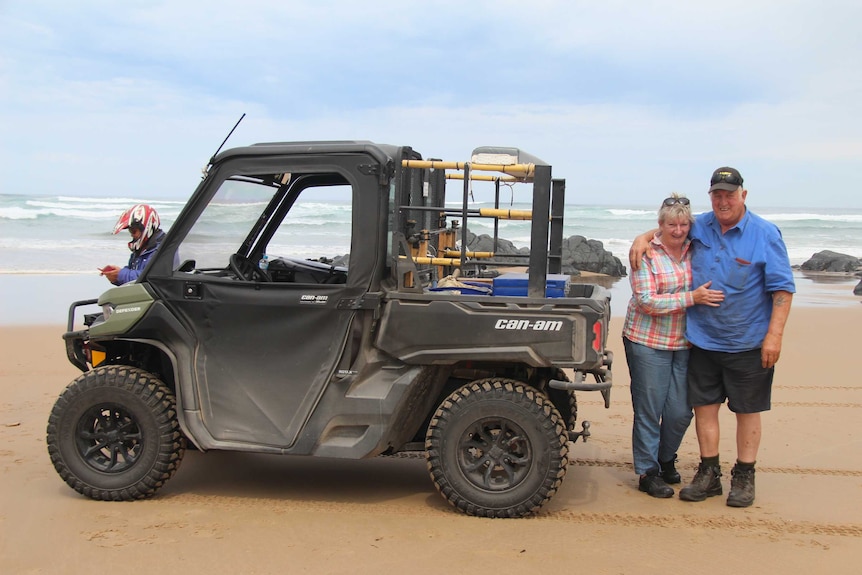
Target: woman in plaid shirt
(656,348)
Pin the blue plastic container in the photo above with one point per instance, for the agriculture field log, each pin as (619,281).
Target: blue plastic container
(515,284)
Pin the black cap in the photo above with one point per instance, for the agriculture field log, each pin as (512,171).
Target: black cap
(725,179)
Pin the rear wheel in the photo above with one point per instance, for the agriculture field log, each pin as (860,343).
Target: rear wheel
(113,434)
(496,448)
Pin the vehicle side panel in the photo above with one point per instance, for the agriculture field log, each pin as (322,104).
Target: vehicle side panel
(432,329)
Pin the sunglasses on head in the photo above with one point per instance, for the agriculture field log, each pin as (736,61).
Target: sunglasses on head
(728,177)
(672,201)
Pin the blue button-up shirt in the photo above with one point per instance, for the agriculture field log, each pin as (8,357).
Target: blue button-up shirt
(748,263)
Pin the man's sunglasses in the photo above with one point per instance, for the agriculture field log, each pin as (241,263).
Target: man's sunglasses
(728,177)
(672,201)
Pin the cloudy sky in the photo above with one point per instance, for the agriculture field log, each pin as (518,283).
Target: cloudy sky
(627,100)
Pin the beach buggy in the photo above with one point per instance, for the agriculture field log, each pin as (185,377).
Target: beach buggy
(230,341)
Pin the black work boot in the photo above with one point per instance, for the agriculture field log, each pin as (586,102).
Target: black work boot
(653,484)
(668,471)
(706,483)
(741,486)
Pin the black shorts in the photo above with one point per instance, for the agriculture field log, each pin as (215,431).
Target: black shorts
(740,378)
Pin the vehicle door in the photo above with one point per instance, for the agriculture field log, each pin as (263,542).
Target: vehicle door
(266,350)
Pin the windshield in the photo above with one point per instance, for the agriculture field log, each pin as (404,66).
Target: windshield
(318,225)
(226,222)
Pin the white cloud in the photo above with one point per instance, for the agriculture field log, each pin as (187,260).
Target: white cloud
(629,99)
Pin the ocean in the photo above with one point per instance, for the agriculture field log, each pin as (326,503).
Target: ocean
(65,234)
(70,237)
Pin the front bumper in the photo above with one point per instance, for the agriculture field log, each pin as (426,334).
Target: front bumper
(77,340)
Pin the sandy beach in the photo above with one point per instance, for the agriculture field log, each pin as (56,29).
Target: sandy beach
(237,513)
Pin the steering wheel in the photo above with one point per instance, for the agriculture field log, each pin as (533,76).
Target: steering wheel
(247,270)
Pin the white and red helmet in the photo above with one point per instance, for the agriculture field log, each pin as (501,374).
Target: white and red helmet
(143,217)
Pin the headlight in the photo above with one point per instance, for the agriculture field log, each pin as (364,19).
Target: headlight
(107,310)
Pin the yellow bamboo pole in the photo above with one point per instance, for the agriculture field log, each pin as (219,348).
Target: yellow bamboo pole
(506,214)
(524,170)
(484,177)
(435,261)
(477,255)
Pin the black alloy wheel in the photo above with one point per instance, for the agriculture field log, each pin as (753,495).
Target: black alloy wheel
(497,448)
(113,434)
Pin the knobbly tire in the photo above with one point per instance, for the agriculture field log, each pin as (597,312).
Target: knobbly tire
(496,448)
(113,434)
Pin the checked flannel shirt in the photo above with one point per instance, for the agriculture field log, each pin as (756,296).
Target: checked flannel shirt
(660,295)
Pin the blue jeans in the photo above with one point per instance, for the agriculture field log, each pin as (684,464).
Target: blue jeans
(662,412)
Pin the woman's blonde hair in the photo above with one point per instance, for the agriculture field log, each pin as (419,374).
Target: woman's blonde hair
(674,207)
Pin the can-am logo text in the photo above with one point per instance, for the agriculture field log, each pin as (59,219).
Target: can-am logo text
(316,299)
(526,325)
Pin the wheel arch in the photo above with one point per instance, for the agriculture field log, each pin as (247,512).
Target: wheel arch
(464,373)
(148,355)
(162,345)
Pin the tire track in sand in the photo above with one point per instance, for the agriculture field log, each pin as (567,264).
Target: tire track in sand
(818,387)
(814,404)
(850,404)
(760,469)
(765,527)
(770,527)
(787,387)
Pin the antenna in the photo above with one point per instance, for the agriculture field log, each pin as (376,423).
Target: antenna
(206,169)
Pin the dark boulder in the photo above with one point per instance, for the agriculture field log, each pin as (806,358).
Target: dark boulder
(485,243)
(578,254)
(581,254)
(858,289)
(829,261)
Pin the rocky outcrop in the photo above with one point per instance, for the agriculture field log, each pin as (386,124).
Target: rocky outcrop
(581,254)
(485,243)
(829,261)
(578,254)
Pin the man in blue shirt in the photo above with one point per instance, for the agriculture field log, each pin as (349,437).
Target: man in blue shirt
(734,346)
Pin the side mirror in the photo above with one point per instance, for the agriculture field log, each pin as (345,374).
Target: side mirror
(187,266)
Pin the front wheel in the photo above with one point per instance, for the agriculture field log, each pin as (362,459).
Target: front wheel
(496,448)
(113,434)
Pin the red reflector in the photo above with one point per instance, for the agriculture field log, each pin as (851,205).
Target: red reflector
(597,337)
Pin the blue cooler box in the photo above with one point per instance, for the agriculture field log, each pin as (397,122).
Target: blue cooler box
(516,284)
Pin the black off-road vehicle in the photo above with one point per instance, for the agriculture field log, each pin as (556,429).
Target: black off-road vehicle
(378,357)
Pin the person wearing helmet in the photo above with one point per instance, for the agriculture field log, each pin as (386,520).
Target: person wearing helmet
(143,224)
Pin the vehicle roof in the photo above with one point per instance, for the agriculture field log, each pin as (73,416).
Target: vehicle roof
(382,152)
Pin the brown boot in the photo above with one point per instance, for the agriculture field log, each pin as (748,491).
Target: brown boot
(706,483)
(741,486)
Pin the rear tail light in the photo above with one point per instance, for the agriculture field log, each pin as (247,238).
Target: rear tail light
(597,337)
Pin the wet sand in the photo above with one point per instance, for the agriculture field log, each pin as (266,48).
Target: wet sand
(233,513)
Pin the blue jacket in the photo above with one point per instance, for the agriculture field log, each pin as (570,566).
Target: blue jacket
(138,260)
